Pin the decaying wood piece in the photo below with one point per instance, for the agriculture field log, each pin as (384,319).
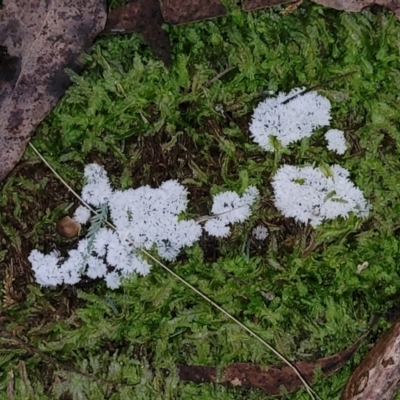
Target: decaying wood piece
(42,38)
(185,11)
(270,379)
(142,16)
(378,375)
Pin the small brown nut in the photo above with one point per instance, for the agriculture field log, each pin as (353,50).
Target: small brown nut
(68,228)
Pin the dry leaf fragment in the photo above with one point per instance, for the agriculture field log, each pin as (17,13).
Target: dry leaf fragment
(358,5)
(292,7)
(8,288)
(361,267)
(378,375)
(142,16)
(270,379)
(186,11)
(251,5)
(42,38)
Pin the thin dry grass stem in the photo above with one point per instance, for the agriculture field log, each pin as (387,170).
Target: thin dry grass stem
(310,391)
(318,86)
(61,179)
(312,394)
(205,218)
(218,76)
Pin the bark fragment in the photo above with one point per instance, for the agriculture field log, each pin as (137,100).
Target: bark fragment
(378,375)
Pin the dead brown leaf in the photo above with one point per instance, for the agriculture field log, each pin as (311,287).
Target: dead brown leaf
(251,5)
(270,379)
(142,16)
(42,39)
(378,375)
(292,7)
(358,5)
(186,11)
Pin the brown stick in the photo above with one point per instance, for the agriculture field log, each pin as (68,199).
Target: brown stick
(270,379)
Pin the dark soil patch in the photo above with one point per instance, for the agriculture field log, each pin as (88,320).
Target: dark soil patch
(47,193)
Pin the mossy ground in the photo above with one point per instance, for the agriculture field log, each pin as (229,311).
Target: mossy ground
(146,124)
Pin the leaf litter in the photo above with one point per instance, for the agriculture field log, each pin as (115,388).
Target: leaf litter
(272,378)
(42,40)
(142,16)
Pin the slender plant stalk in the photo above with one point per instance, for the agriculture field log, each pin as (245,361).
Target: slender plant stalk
(310,391)
(218,76)
(318,86)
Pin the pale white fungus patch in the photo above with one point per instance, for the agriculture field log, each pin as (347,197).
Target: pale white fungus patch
(229,208)
(289,117)
(309,196)
(260,232)
(336,141)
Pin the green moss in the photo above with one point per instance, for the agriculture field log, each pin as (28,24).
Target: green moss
(147,124)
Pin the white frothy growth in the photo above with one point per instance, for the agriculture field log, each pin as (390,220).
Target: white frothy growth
(228,208)
(291,121)
(307,195)
(336,141)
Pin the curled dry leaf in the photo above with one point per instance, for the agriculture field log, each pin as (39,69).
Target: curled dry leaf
(378,375)
(270,379)
(42,39)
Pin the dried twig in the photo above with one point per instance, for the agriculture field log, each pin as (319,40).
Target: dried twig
(218,76)
(318,86)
